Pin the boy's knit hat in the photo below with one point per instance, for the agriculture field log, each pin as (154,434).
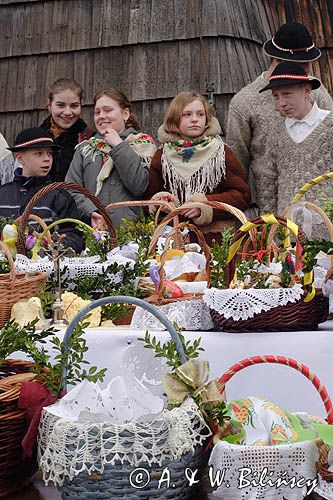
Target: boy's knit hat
(34,138)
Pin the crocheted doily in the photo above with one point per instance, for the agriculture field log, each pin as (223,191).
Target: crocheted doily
(67,448)
(190,315)
(244,464)
(242,304)
(74,267)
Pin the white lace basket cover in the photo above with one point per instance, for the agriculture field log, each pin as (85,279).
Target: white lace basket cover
(67,448)
(241,465)
(242,304)
(76,266)
(190,315)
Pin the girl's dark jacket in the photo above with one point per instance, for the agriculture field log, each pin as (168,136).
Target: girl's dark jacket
(55,205)
(68,140)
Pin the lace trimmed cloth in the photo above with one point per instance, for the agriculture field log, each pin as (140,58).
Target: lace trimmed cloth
(244,464)
(76,266)
(67,448)
(242,304)
(190,315)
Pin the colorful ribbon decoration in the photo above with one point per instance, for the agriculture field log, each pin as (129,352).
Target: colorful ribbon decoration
(313,182)
(293,228)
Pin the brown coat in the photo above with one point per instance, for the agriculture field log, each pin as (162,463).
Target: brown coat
(233,190)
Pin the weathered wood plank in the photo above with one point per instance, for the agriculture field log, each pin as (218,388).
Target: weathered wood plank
(64,25)
(148,71)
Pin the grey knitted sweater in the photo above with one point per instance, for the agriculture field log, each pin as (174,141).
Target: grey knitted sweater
(251,117)
(290,165)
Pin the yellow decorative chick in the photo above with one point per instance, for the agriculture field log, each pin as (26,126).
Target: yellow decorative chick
(71,304)
(27,310)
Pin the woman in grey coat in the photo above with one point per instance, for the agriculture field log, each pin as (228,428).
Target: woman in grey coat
(114,164)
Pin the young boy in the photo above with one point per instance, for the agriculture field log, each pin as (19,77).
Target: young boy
(33,149)
(300,147)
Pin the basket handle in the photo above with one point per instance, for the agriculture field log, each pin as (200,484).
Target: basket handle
(145,203)
(214,204)
(282,360)
(306,187)
(119,299)
(47,229)
(40,222)
(67,186)
(6,251)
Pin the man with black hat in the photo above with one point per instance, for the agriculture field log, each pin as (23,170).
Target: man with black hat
(301,148)
(252,115)
(33,149)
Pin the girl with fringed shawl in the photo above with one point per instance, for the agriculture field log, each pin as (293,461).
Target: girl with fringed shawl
(194,164)
(114,164)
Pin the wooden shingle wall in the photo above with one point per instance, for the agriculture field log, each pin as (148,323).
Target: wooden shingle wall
(149,49)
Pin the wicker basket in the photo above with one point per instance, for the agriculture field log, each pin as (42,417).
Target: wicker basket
(299,315)
(158,298)
(16,286)
(15,472)
(257,452)
(67,186)
(114,481)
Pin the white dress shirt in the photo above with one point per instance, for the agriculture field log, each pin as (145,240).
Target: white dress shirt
(300,129)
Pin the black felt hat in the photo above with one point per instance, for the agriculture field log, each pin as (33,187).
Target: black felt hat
(34,138)
(290,73)
(292,42)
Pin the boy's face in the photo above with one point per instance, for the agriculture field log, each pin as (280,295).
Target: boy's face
(292,100)
(36,162)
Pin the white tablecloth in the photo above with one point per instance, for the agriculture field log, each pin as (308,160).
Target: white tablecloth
(285,386)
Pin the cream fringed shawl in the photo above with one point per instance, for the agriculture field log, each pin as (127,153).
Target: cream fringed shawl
(192,165)
(142,144)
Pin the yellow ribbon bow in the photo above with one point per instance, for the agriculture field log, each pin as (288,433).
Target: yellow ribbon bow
(190,380)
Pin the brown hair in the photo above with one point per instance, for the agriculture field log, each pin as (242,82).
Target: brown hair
(124,103)
(173,114)
(65,84)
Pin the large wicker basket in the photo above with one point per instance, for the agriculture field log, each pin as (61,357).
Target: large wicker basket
(261,455)
(16,286)
(15,472)
(114,481)
(300,315)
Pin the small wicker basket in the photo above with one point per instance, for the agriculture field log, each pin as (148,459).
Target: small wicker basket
(16,286)
(261,451)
